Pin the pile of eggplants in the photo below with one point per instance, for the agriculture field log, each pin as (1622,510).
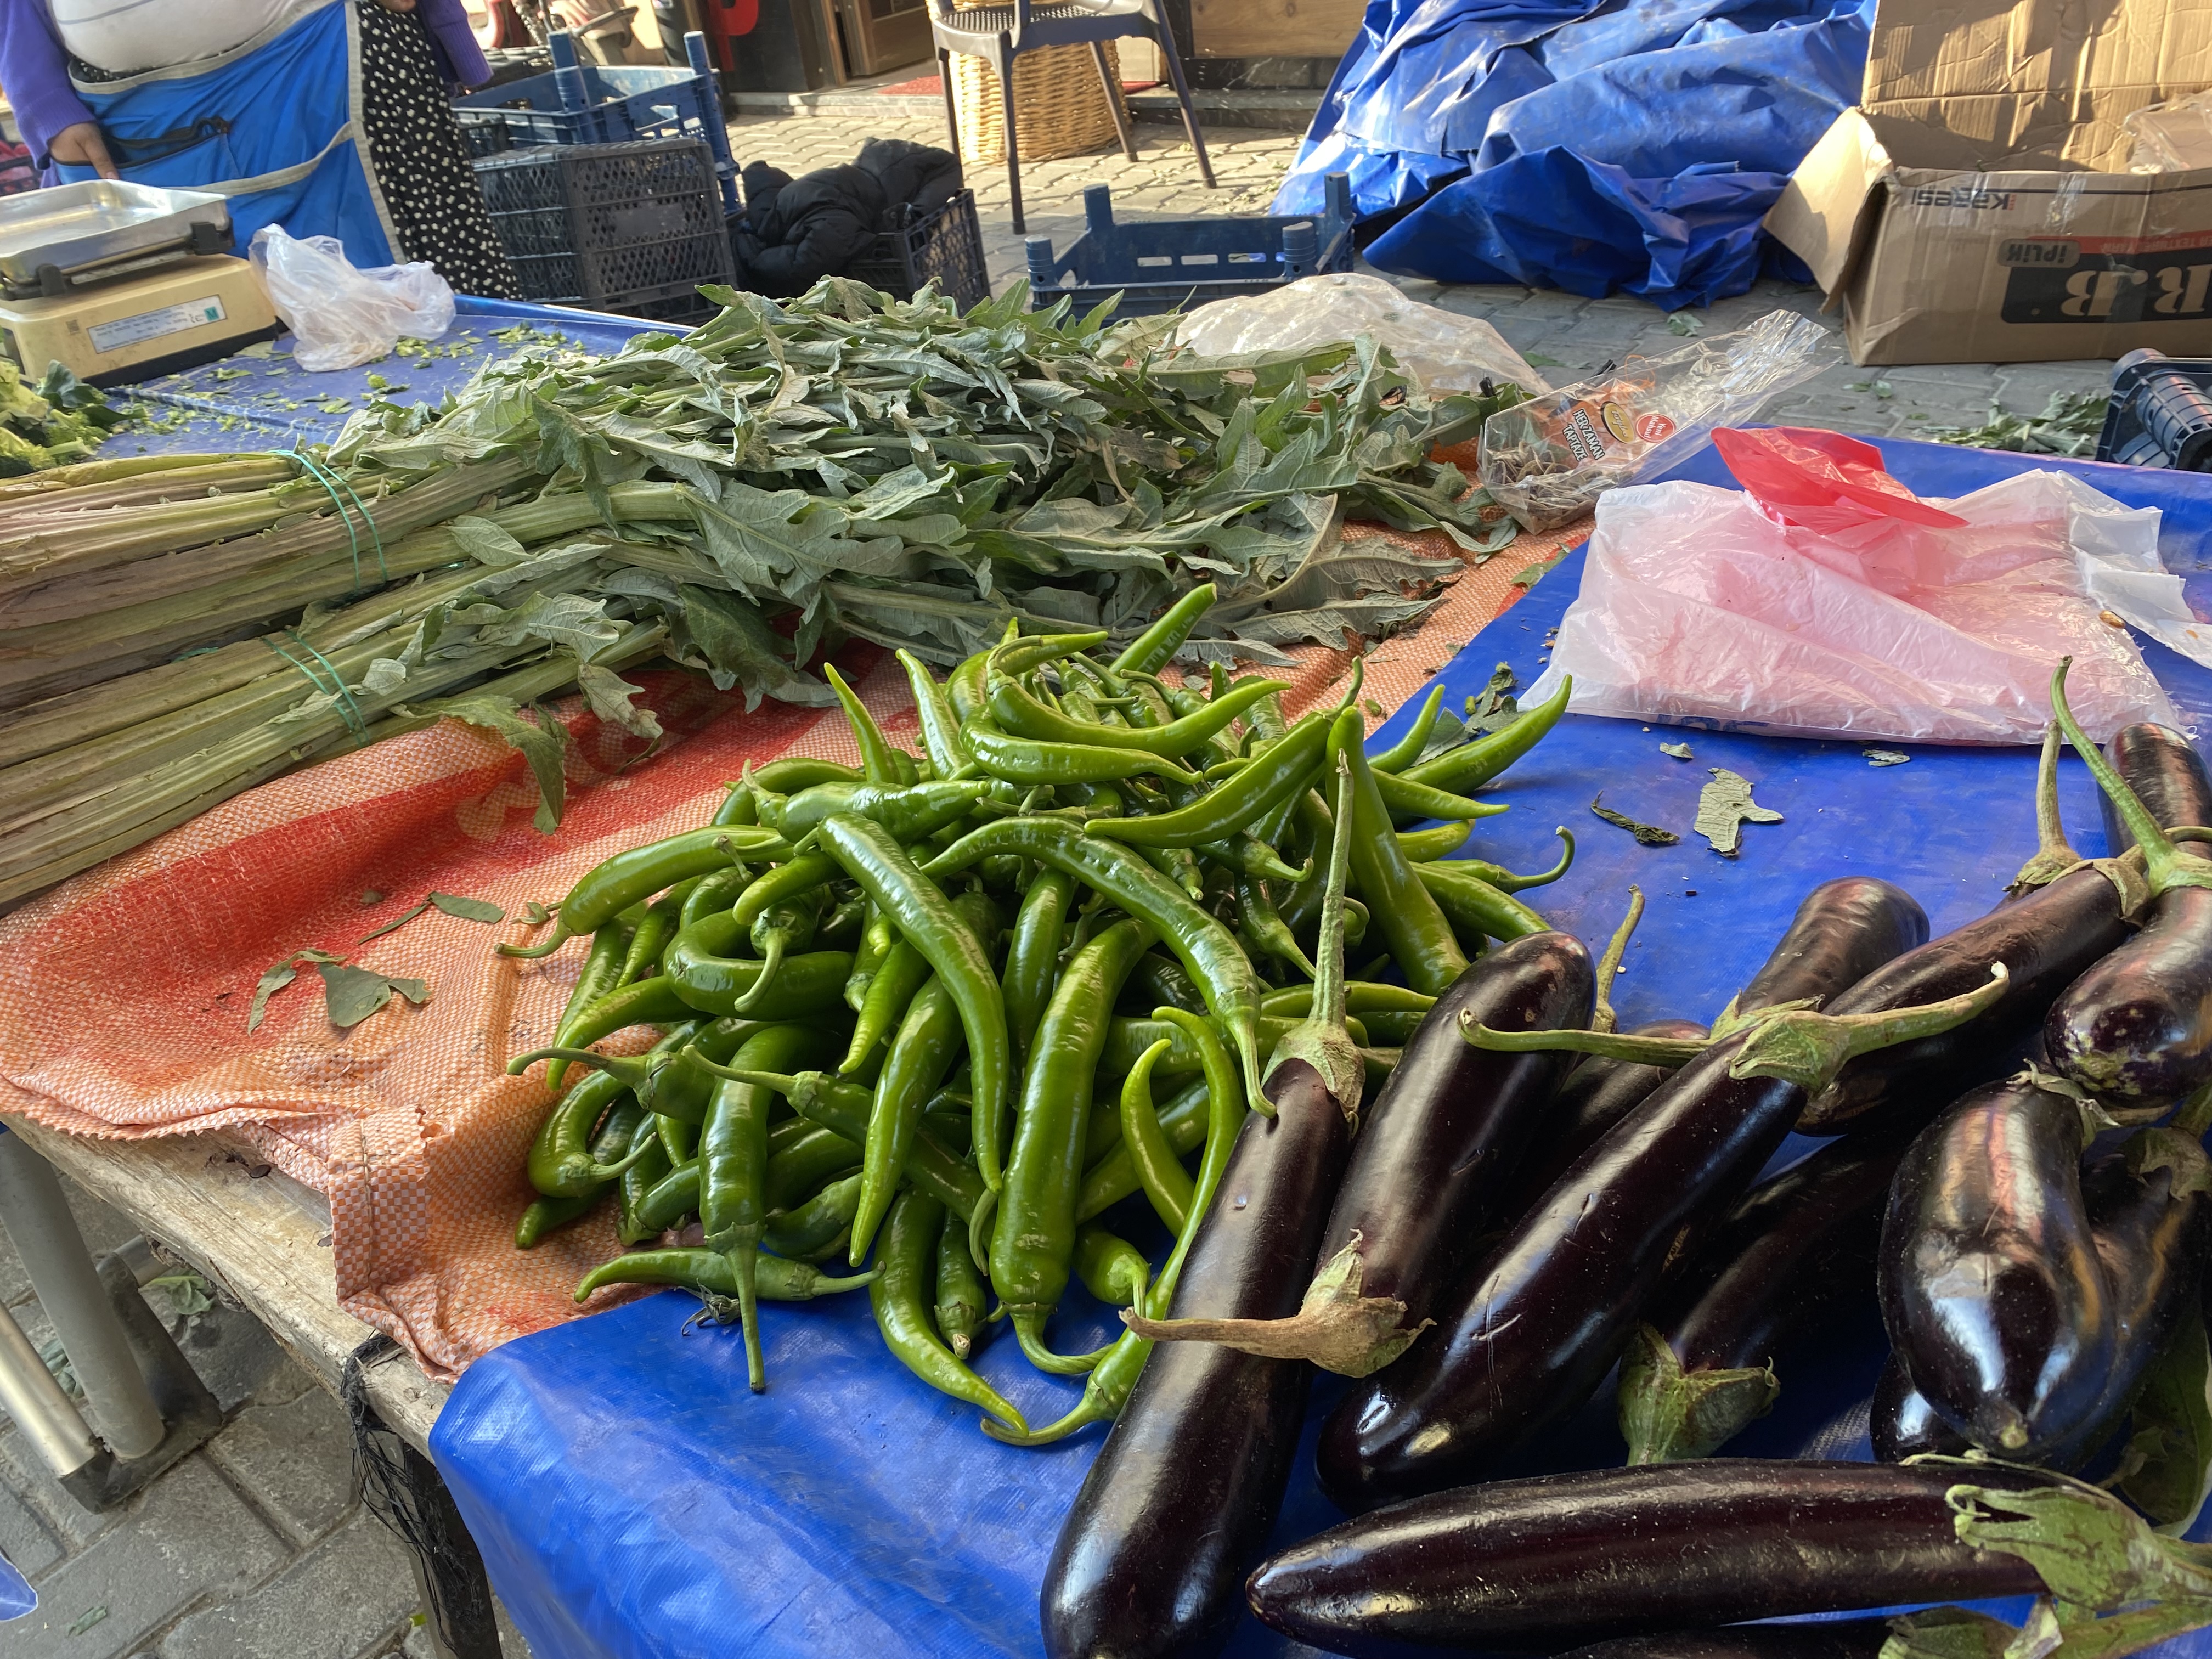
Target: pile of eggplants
(1529,1211)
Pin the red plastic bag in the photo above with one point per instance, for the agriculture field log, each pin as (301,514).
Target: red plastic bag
(1822,481)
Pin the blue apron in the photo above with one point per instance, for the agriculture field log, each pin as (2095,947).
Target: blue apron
(274,125)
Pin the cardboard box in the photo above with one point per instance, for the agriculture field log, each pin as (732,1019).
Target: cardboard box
(1976,206)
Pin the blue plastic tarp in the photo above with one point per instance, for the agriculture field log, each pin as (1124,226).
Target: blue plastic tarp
(633,1502)
(1631,147)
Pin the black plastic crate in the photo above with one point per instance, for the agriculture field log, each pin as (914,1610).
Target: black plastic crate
(481,140)
(633,228)
(945,247)
(2160,414)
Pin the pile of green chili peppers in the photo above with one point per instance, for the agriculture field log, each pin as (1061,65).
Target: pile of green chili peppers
(915,1018)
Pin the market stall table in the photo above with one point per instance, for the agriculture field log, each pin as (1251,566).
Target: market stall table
(632,1499)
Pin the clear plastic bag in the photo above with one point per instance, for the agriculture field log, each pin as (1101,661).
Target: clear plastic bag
(1883,616)
(342,316)
(2171,137)
(1442,350)
(1546,461)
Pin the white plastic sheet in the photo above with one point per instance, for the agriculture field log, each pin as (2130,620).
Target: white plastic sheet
(1442,350)
(342,316)
(1697,606)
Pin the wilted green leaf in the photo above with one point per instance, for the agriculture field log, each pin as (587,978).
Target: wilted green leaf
(1724,806)
(1647,834)
(469,909)
(397,922)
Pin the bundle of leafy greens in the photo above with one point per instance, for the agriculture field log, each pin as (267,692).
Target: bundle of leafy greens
(61,420)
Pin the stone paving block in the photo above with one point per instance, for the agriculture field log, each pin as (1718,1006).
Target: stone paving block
(296,1460)
(347,1595)
(25,1540)
(23,1475)
(189,1537)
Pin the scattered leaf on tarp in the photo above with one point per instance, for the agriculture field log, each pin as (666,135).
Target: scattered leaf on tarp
(1647,834)
(1682,323)
(468,909)
(276,979)
(1724,806)
(1679,750)
(1373,708)
(1494,708)
(1538,360)
(88,1620)
(1529,574)
(1884,756)
(352,994)
(397,922)
(370,896)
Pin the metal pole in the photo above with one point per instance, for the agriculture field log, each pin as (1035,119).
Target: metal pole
(30,1395)
(44,1233)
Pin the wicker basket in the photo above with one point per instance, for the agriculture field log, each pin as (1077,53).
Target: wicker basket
(1060,108)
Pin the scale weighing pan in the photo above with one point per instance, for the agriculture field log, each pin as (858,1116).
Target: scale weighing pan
(71,225)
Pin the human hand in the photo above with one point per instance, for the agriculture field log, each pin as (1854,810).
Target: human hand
(84,145)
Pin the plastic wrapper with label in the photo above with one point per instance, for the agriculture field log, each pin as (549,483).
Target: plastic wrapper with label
(1826,599)
(1546,461)
(341,316)
(1442,350)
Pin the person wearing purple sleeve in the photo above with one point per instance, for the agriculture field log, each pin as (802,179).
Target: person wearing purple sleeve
(327,117)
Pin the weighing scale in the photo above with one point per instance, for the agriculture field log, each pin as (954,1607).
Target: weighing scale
(121,281)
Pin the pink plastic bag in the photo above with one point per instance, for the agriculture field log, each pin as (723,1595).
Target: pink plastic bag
(1826,599)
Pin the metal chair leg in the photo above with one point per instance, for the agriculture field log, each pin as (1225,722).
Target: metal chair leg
(1013,153)
(951,108)
(1114,98)
(1170,50)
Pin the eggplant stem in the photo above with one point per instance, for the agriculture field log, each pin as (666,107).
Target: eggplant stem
(2054,856)
(1602,1017)
(2164,866)
(1335,1327)
(1809,1048)
(1669,1412)
(1668,1052)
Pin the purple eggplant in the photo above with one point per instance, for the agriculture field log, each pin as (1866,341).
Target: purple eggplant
(1547,1564)
(1810,1638)
(1544,1317)
(1597,1094)
(1991,1287)
(1428,1166)
(2136,1026)
(1902,1423)
(1796,1252)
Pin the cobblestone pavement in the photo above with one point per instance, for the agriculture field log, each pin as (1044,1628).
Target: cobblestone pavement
(257,1545)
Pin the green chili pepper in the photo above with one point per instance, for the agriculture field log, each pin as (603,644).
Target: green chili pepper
(963,687)
(1474,906)
(1155,648)
(547,1213)
(679,1137)
(1021,713)
(934,926)
(1179,866)
(1033,957)
(1419,938)
(1427,846)
(1025,760)
(1104,1133)
(875,941)
(787,880)
(601,973)
(1115,1374)
(737,807)
(648,1002)
(1126,1039)
(1160,979)
(716,892)
(940,725)
(807,1166)
(1035,1231)
(843,1108)
(638,1180)
(1407,798)
(1474,764)
(928,1037)
(793,772)
(1407,749)
(779,931)
(1206,947)
(818,1228)
(1112,1175)
(910,814)
(1248,855)
(1159,1171)
(641,871)
(903,973)
(713,983)
(1111,1268)
(774,1279)
(1261,926)
(1287,767)
(733,1167)
(673,1080)
(1506,882)
(840,927)
(674,1196)
(902,1315)
(563,1160)
(658,926)
(963,1307)
(877,765)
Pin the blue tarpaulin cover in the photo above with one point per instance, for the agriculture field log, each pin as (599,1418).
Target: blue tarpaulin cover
(1631,146)
(632,1500)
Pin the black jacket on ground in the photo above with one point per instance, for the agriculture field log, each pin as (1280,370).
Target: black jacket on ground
(796,231)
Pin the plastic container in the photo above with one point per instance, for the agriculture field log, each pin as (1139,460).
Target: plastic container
(1160,264)
(946,247)
(2160,414)
(594,103)
(633,228)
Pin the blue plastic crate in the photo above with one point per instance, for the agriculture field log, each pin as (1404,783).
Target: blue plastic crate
(2160,414)
(595,104)
(1161,264)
